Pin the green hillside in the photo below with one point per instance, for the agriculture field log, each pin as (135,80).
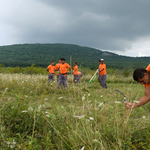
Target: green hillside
(42,54)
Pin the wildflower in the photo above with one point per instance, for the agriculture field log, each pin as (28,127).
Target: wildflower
(11,144)
(5,91)
(40,107)
(30,108)
(84,94)
(143,117)
(79,117)
(46,112)
(100,104)
(82,148)
(62,107)
(95,141)
(46,99)
(101,95)
(117,102)
(60,97)
(89,94)
(136,101)
(25,95)
(90,101)
(83,98)
(25,111)
(91,118)
(47,116)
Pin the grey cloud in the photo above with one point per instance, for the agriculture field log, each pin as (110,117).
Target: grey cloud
(104,24)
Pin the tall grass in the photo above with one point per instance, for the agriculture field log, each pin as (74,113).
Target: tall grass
(34,114)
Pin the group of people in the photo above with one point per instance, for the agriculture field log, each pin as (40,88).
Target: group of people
(140,75)
(62,69)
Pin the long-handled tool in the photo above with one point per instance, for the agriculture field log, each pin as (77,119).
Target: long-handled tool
(122,95)
(93,76)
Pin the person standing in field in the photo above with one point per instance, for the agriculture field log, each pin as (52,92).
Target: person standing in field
(57,68)
(51,69)
(79,74)
(102,73)
(63,73)
(75,72)
(142,76)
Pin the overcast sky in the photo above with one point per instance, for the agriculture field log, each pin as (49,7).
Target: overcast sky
(119,26)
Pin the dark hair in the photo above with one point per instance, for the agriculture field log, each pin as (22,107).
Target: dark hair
(52,61)
(99,60)
(75,62)
(139,73)
(63,59)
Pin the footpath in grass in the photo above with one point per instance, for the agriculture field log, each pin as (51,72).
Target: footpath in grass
(34,114)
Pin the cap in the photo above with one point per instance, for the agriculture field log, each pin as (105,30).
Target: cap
(102,59)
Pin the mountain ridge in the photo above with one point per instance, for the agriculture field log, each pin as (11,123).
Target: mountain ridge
(24,55)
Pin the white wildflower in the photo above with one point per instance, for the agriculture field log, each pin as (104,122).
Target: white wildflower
(117,102)
(24,111)
(22,81)
(47,116)
(82,148)
(143,117)
(84,94)
(46,99)
(5,91)
(40,107)
(11,144)
(136,101)
(101,95)
(46,112)
(89,94)
(62,107)
(83,98)
(79,117)
(90,101)
(60,97)
(100,104)
(25,95)
(30,108)
(91,118)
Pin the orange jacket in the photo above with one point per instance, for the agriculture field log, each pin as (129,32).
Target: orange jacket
(63,68)
(57,66)
(51,69)
(75,69)
(148,69)
(102,66)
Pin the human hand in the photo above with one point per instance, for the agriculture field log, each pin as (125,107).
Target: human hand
(129,105)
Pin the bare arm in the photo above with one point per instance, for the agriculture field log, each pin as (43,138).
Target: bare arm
(145,99)
(69,68)
(101,70)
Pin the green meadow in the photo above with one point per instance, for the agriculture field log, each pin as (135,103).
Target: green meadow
(34,114)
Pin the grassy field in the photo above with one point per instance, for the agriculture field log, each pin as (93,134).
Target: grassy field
(34,114)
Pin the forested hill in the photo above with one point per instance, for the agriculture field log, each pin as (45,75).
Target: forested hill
(42,54)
